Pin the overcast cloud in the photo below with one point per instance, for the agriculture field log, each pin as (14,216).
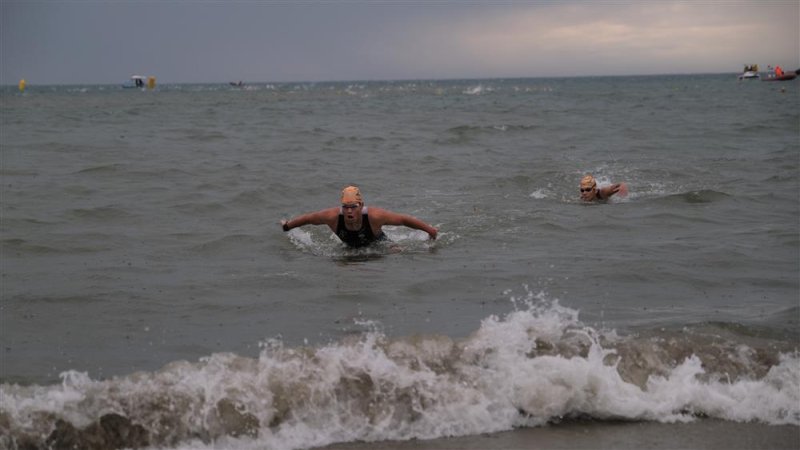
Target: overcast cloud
(74,42)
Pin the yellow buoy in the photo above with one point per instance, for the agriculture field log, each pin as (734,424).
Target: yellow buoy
(151,82)
(22,85)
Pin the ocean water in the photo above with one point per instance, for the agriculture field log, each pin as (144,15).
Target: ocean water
(151,299)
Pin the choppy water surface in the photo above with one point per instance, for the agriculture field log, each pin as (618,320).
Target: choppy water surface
(147,286)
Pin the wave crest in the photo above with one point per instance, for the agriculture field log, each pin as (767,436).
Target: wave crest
(535,365)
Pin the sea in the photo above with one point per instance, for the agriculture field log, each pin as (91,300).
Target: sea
(151,299)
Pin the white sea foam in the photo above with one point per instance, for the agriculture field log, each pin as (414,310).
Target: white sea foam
(537,364)
(324,243)
(540,194)
(476,90)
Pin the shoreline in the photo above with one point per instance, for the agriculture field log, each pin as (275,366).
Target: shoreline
(706,434)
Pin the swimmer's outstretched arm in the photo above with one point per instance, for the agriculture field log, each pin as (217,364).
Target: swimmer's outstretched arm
(608,191)
(324,217)
(385,217)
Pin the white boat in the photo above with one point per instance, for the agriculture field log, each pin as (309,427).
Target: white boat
(750,73)
(136,81)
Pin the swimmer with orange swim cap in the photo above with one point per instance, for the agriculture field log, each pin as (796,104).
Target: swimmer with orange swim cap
(355,224)
(591,192)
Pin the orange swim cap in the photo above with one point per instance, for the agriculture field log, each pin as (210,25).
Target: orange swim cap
(588,181)
(351,194)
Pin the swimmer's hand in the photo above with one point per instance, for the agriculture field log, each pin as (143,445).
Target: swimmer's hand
(285,225)
(619,188)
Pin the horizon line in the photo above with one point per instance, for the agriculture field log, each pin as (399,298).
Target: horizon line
(375,80)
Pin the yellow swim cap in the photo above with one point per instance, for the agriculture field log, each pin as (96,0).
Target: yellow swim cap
(351,194)
(588,181)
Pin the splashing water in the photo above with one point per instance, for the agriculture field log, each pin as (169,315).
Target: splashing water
(535,365)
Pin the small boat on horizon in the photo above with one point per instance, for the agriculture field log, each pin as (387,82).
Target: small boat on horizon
(750,73)
(136,81)
(140,82)
(785,77)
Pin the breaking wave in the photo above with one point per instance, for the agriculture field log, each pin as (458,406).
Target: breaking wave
(538,364)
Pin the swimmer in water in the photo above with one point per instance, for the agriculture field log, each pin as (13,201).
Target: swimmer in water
(355,224)
(590,192)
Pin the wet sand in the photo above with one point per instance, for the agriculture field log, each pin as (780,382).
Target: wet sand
(701,434)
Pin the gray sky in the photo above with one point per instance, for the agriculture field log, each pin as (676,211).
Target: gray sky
(74,42)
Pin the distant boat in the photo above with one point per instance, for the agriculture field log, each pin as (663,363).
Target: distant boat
(750,73)
(136,81)
(784,77)
(139,82)
(236,83)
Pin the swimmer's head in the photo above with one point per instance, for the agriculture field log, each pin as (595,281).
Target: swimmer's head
(351,195)
(588,187)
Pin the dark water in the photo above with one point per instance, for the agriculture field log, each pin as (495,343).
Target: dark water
(145,278)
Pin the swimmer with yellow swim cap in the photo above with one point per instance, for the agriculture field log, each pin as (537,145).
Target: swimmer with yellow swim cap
(591,192)
(355,224)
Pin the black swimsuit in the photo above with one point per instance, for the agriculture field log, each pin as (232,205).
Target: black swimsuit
(358,238)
